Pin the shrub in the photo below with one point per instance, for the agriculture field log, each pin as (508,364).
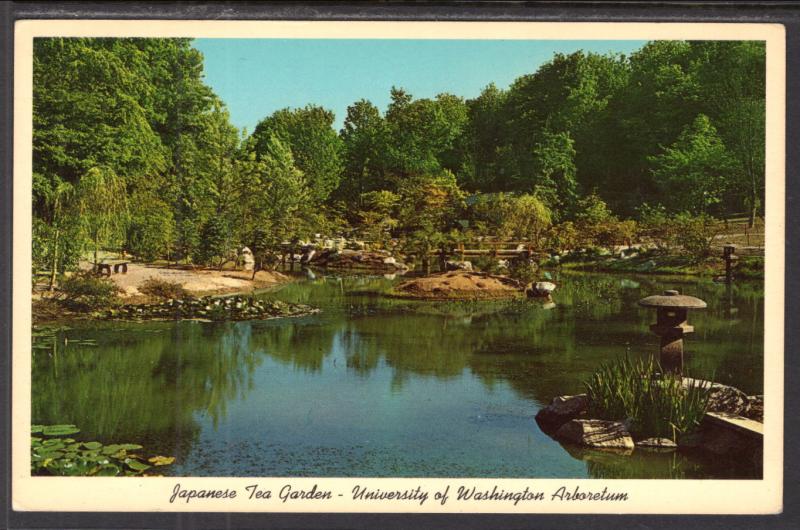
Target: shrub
(695,234)
(657,226)
(524,271)
(563,237)
(85,292)
(657,404)
(163,289)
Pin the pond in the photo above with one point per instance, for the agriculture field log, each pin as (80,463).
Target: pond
(373,386)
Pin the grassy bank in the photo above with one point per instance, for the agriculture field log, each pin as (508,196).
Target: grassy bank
(747,268)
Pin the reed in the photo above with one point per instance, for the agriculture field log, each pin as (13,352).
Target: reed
(654,403)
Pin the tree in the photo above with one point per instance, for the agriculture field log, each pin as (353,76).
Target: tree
(378,214)
(151,231)
(315,147)
(733,76)
(214,242)
(424,134)
(554,169)
(277,194)
(693,171)
(430,207)
(364,140)
(485,134)
(526,217)
(55,230)
(102,207)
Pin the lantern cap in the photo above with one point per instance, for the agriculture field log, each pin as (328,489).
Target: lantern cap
(673,298)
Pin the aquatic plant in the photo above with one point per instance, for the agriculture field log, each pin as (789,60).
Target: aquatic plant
(52,453)
(656,404)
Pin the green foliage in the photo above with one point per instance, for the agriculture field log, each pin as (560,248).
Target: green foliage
(53,455)
(151,232)
(657,226)
(598,226)
(563,237)
(364,144)
(695,234)
(554,169)
(524,271)
(430,203)
(692,171)
(657,404)
(378,215)
(84,291)
(526,217)
(163,289)
(132,149)
(309,136)
(214,241)
(424,134)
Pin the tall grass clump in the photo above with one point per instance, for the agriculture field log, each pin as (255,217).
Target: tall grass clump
(163,289)
(656,404)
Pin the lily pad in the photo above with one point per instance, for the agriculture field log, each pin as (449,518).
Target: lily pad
(161,460)
(136,465)
(92,445)
(35,429)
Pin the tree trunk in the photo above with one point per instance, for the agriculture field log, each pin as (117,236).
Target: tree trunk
(256,268)
(54,268)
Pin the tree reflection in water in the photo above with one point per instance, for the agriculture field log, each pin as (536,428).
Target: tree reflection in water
(171,384)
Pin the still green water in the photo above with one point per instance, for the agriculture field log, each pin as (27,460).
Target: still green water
(380,387)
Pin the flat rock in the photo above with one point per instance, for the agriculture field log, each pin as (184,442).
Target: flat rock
(562,409)
(755,408)
(601,434)
(657,443)
(723,398)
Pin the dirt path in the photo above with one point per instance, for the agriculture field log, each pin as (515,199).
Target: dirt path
(197,282)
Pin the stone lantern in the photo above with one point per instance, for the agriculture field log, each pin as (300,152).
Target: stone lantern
(728,254)
(671,325)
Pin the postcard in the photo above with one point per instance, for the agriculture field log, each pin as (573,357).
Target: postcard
(437,267)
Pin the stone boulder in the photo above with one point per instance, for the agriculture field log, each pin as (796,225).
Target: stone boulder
(248,259)
(458,266)
(600,434)
(562,409)
(722,398)
(539,289)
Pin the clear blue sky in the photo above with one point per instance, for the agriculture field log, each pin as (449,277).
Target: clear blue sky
(256,77)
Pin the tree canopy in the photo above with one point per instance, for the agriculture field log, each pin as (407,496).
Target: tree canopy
(131,149)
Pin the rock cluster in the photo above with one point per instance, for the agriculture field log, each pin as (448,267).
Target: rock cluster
(566,419)
(235,307)
(357,259)
(454,265)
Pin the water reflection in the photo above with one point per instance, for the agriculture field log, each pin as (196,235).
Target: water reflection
(390,387)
